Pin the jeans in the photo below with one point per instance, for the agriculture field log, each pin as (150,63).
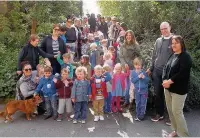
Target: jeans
(107,103)
(141,102)
(127,96)
(159,91)
(51,105)
(80,110)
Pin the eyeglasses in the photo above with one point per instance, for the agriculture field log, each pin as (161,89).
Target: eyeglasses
(28,69)
(57,29)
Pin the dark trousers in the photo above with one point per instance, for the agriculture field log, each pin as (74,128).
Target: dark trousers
(56,67)
(51,105)
(141,102)
(107,103)
(80,110)
(159,91)
(127,96)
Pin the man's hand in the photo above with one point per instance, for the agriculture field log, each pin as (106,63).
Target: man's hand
(73,100)
(19,72)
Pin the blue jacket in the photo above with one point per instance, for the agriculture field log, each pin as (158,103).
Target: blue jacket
(141,85)
(81,90)
(47,86)
(64,38)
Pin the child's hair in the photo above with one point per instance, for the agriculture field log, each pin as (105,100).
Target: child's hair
(64,70)
(107,56)
(48,69)
(106,67)
(137,61)
(111,48)
(63,28)
(85,40)
(81,69)
(93,45)
(98,67)
(67,55)
(118,65)
(86,58)
(104,41)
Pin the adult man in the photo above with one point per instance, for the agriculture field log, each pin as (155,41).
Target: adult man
(31,53)
(161,53)
(113,31)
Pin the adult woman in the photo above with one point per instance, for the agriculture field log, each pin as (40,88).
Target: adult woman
(26,85)
(176,76)
(51,45)
(128,52)
(31,53)
(103,27)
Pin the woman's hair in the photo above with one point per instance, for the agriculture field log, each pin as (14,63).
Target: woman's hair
(133,40)
(33,37)
(81,69)
(180,40)
(24,64)
(64,70)
(56,25)
(63,28)
(86,58)
(137,61)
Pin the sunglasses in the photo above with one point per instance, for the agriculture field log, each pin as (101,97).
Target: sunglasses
(28,69)
(57,29)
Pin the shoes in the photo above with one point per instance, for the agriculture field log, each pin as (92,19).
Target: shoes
(137,119)
(101,117)
(55,117)
(120,110)
(168,122)
(47,117)
(83,121)
(96,118)
(114,110)
(157,118)
(75,122)
(59,119)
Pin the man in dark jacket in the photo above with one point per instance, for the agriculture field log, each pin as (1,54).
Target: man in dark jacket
(31,53)
(103,27)
(92,23)
(162,52)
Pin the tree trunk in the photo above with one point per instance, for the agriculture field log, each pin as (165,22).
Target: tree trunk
(33,26)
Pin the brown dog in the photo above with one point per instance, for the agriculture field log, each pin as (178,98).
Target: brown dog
(25,106)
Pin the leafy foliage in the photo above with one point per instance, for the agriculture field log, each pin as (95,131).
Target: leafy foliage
(15,28)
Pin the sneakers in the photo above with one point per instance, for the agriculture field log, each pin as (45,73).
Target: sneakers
(137,119)
(168,122)
(75,122)
(101,117)
(83,121)
(59,119)
(96,118)
(157,118)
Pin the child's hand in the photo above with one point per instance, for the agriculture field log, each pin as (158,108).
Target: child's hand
(66,83)
(55,80)
(126,66)
(143,76)
(59,52)
(140,76)
(73,100)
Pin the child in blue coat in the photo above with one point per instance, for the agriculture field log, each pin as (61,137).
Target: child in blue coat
(140,80)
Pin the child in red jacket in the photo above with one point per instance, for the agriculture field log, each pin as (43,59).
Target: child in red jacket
(64,91)
(99,92)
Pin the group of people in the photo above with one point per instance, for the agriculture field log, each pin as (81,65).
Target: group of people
(99,60)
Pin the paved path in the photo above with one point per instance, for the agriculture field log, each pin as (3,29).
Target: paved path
(114,125)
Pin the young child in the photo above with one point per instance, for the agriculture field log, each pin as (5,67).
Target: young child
(107,102)
(99,91)
(80,91)
(47,86)
(95,56)
(111,50)
(85,62)
(62,33)
(64,92)
(108,60)
(65,63)
(90,38)
(104,45)
(118,86)
(140,80)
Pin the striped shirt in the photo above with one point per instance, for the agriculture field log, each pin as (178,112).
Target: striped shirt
(55,46)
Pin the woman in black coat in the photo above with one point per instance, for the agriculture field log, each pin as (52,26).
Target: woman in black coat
(51,45)
(176,76)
